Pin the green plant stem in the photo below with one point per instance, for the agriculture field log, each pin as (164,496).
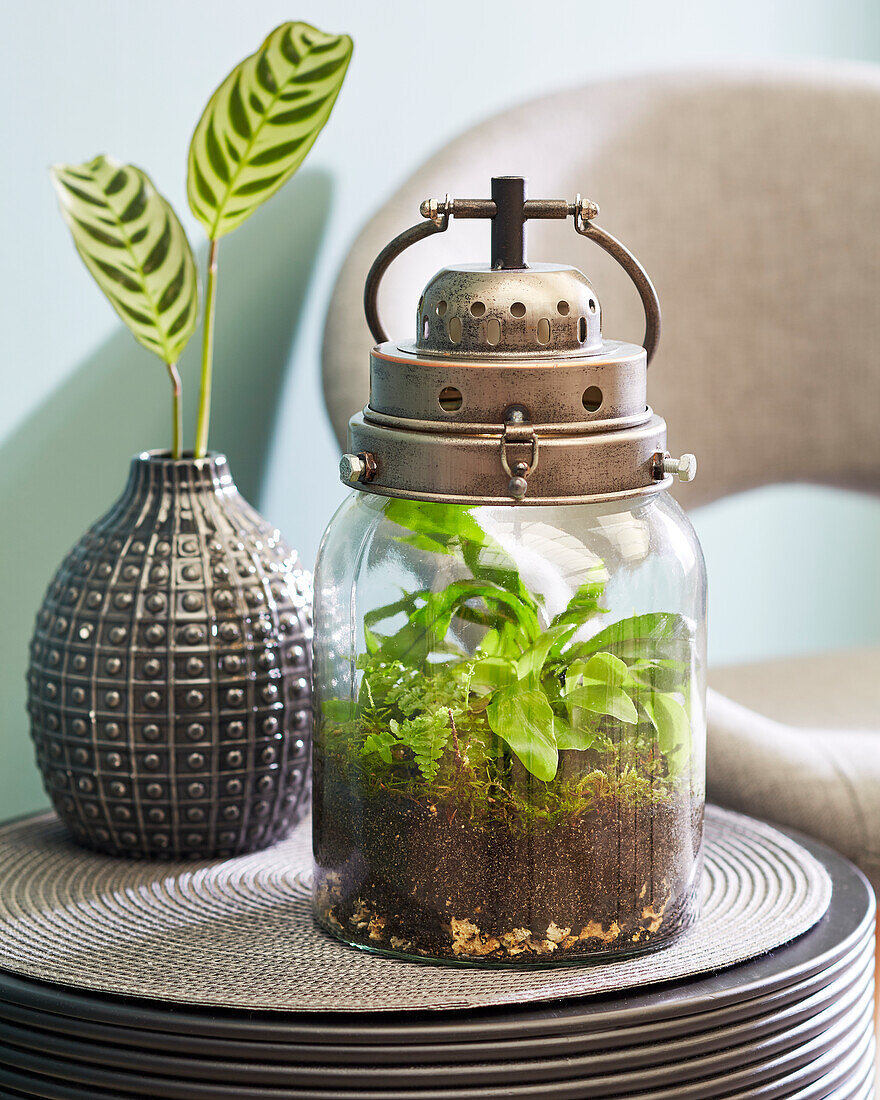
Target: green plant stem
(176,411)
(207,355)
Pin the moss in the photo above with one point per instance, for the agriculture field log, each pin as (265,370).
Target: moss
(482,782)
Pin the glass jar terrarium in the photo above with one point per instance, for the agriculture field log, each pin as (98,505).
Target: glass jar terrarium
(509,628)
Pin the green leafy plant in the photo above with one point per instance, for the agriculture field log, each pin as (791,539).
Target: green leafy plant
(131,241)
(253,135)
(433,710)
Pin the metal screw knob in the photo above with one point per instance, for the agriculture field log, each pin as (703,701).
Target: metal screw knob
(684,468)
(352,468)
(517,487)
(358,468)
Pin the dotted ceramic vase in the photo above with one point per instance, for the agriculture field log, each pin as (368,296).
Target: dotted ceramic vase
(169,684)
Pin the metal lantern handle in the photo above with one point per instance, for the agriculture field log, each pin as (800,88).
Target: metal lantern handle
(619,252)
(384,260)
(510,210)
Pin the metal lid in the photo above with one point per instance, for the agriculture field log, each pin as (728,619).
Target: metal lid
(509,393)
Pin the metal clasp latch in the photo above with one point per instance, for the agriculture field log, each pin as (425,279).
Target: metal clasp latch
(516,434)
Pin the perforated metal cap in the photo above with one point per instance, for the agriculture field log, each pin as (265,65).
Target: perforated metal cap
(509,392)
(541,312)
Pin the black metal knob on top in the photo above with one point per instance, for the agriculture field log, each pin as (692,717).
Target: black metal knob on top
(509,223)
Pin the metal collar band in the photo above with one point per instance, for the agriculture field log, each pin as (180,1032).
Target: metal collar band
(516,463)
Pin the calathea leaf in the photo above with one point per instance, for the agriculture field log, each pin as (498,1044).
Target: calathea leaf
(131,241)
(261,122)
(524,721)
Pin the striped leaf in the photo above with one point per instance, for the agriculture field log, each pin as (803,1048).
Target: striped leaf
(133,244)
(261,122)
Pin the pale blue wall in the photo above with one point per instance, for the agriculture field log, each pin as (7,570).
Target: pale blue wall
(130,78)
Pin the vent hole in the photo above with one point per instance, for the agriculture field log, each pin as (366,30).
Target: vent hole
(478,309)
(592,398)
(493,331)
(582,329)
(592,305)
(450,399)
(518,309)
(441,308)
(544,331)
(562,308)
(455,329)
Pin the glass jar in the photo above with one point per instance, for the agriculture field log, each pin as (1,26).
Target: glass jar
(510,728)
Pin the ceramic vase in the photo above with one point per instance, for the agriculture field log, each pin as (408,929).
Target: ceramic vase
(169,681)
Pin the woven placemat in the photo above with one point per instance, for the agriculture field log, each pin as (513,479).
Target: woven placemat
(239,933)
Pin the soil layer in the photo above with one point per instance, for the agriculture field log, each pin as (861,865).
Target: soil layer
(416,878)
